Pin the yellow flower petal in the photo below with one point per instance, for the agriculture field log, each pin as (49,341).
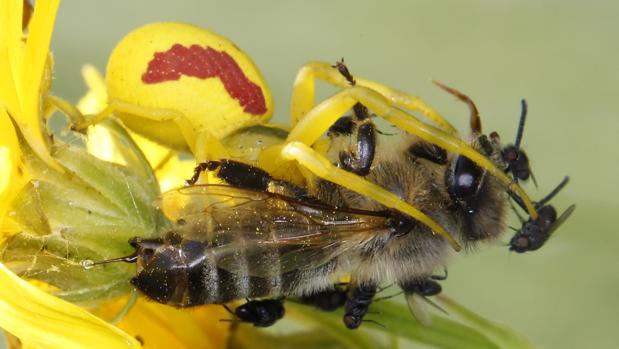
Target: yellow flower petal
(12,171)
(26,69)
(160,326)
(46,321)
(35,59)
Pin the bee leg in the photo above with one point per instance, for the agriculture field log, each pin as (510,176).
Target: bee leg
(234,173)
(357,304)
(329,300)
(261,313)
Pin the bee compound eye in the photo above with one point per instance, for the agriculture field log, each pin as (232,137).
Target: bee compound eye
(465,180)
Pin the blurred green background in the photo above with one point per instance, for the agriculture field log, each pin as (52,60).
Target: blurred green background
(561,55)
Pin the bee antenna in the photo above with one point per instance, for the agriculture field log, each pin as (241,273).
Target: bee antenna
(523,118)
(554,192)
(474,119)
(132,258)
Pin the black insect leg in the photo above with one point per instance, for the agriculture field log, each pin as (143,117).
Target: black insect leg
(234,173)
(361,162)
(260,313)
(360,126)
(329,300)
(201,167)
(357,304)
(424,287)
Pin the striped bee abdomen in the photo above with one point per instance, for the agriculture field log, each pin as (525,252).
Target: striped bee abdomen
(186,273)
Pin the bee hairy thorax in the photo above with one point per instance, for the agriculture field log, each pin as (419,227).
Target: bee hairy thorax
(411,251)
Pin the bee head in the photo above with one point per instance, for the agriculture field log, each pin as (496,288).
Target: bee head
(477,197)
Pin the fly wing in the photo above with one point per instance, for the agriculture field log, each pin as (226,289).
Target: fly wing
(562,218)
(418,305)
(249,231)
(419,309)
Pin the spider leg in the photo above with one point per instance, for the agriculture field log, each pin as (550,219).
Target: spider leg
(53,103)
(304,91)
(318,120)
(201,142)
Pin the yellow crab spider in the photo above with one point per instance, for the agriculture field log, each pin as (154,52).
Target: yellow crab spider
(185,87)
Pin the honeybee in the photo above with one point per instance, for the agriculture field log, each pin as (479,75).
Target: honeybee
(260,237)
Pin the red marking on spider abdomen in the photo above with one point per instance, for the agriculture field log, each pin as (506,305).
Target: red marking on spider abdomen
(204,63)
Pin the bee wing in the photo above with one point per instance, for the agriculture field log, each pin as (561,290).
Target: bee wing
(562,218)
(248,231)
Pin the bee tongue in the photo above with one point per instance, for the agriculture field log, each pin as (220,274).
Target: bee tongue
(132,258)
